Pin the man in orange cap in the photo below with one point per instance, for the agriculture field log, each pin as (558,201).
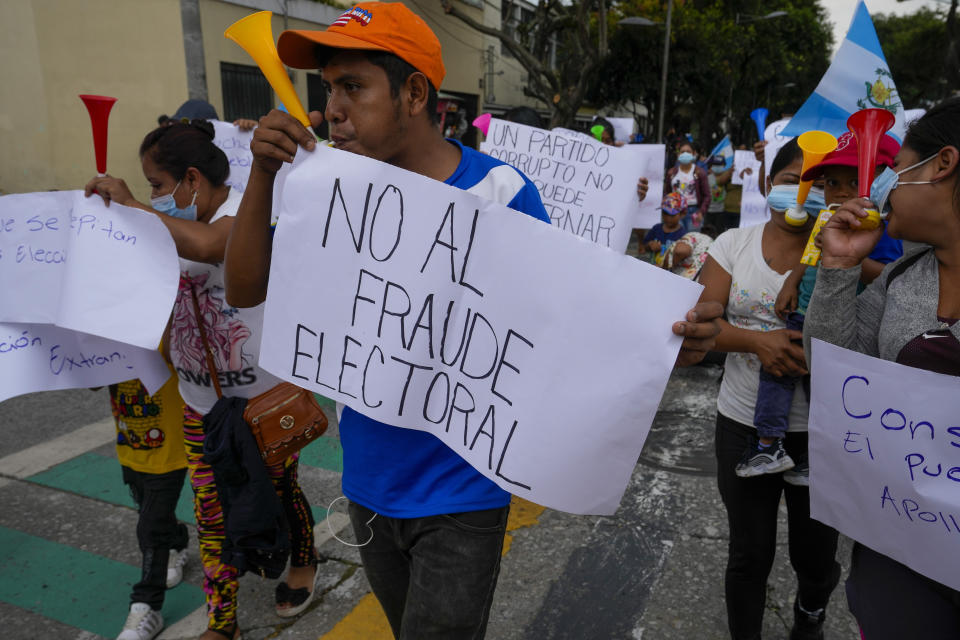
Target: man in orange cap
(431,526)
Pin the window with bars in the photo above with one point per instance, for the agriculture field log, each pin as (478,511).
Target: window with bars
(246,93)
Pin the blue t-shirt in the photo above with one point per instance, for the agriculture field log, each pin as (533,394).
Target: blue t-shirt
(886,251)
(404,473)
(665,238)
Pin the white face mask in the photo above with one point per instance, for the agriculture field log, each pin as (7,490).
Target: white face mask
(889,180)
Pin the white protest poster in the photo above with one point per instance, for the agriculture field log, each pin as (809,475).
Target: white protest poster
(885,458)
(123,272)
(236,145)
(753,204)
(648,161)
(42,357)
(622,128)
(532,354)
(588,188)
(34,233)
(774,140)
(746,167)
(74,262)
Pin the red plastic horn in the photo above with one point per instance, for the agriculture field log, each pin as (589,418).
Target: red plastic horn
(868,125)
(99,109)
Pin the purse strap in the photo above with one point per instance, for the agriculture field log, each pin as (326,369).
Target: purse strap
(203,338)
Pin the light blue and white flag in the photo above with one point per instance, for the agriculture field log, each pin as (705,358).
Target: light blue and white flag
(858,78)
(724,149)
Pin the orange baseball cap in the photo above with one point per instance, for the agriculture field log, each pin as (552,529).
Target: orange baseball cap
(370,26)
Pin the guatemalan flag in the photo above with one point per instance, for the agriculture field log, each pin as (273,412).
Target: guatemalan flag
(858,78)
(724,149)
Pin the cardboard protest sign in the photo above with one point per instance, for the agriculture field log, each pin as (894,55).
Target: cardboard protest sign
(753,204)
(236,145)
(587,187)
(537,357)
(42,357)
(885,458)
(73,262)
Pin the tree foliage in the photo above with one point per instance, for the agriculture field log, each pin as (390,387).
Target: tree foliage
(718,66)
(561,48)
(577,53)
(915,46)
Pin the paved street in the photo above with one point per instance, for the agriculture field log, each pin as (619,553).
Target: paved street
(68,551)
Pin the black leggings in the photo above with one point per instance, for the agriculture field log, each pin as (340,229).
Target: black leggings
(891,601)
(752,505)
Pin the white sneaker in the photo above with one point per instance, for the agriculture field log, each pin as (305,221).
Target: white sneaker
(175,567)
(143,623)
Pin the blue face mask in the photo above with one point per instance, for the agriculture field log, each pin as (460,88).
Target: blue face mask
(887,181)
(685,158)
(718,169)
(167,205)
(783,197)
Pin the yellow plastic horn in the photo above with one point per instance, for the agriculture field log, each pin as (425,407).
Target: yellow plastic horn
(255,35)
(815,145)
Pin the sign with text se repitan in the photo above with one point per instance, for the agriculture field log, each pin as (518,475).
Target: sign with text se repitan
(536,357)
(87,291)
(885,458)
(588,188)
(76,263)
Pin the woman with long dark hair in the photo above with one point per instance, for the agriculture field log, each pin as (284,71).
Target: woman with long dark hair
(187,174)
(914,299)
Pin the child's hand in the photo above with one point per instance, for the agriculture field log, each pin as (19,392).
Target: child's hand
(758,149)
(786,301)
(654,246)
(642,185)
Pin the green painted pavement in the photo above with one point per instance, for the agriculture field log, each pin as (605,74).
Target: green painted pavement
(324,453)
(76,587)
(99,477)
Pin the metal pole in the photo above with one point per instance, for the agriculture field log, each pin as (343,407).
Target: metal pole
(663,79)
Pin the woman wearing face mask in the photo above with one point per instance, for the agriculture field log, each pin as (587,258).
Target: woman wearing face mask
(744,271)
(186,173)
(913,299)
(691,181)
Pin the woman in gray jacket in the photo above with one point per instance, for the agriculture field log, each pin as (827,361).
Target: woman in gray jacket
(915,298)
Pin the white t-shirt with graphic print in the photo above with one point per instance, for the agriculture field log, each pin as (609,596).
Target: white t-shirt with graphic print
(753,291)
(234,334)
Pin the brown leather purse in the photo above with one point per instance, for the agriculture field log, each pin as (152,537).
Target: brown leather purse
(283,419)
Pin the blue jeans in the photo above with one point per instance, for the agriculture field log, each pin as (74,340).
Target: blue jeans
(771,416)
(434,576)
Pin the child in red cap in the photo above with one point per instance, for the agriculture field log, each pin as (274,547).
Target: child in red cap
(838,169)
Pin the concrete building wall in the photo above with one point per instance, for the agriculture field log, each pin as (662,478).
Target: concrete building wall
(133,50)
(54,50)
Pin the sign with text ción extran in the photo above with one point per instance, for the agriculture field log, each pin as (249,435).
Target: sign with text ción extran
(73,262)
(588,188)
(537,357)
(236,145)
(885,458)
(42,357)
(753,204)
